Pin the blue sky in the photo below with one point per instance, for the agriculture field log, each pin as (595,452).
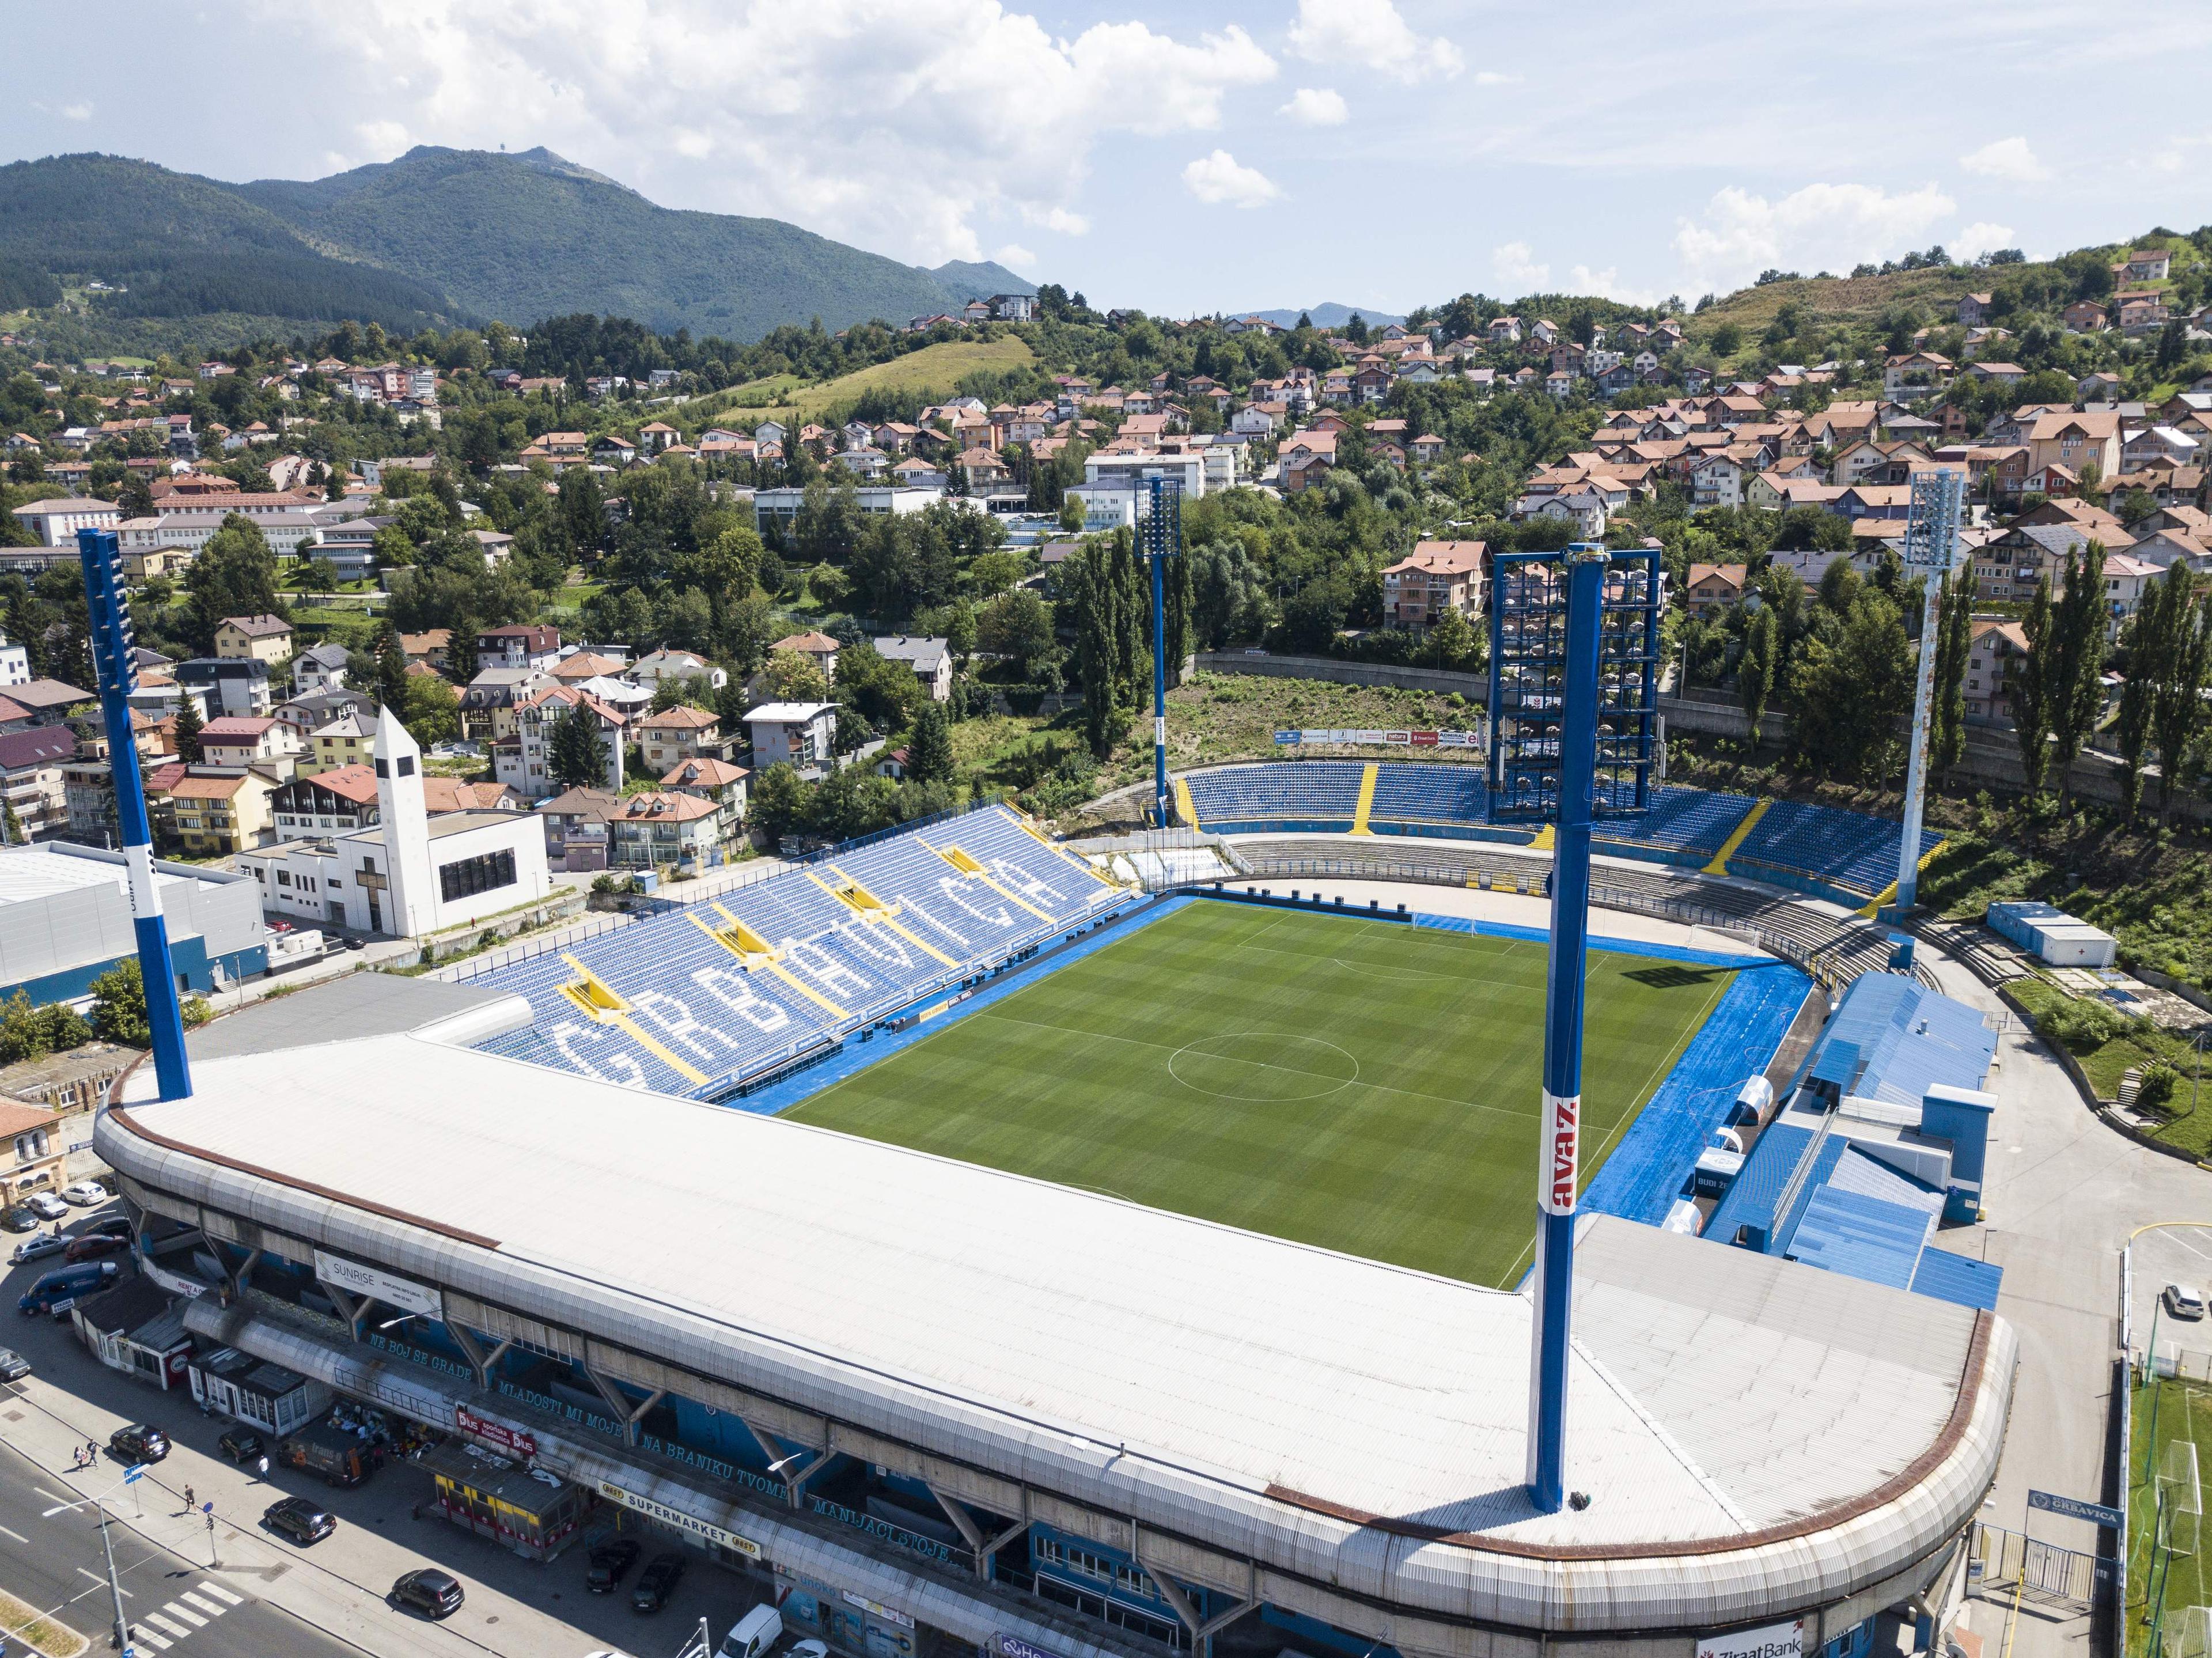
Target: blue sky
(1377,152)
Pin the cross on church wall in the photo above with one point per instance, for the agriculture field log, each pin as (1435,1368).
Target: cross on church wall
(370,877)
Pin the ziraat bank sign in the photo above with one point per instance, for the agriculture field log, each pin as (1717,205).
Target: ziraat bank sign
(1773,1641)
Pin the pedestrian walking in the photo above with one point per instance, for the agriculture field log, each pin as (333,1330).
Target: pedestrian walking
(261,1466)
(190,1502)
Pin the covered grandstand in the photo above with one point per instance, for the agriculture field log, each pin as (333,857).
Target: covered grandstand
(701,1000)
(840,1364)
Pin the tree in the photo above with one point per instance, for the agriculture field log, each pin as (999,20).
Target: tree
(778,803)
(1451,642)
(118,1005)
(794,676)
(461,648)
(1848,685)
(235,574)
(2177,712)
(188,729)
(578,752)
(391,670)
(1754,669)
(1071,514)
(2026,686)
(1954,631)
(1016,627)
(2074,667)
(929,746)
(431,710)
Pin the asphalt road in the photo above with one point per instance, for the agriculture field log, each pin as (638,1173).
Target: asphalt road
(57,1565)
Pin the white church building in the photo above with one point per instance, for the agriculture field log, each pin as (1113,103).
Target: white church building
(412,873)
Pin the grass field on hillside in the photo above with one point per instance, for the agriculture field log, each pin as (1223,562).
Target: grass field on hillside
(935,370)
(1359,1085)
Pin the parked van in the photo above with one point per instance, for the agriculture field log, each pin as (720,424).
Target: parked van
(752,1634)
(62,1288)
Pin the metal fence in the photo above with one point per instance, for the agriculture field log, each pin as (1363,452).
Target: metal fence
(2004,1561)
(475,967)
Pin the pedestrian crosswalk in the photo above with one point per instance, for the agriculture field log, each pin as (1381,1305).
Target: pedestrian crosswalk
(192,1610)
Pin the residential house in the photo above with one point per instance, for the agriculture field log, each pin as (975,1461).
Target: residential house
(1996,650)
(309,712)
(668,663)
(347,740)
(435,648)
(337,801)
(2085,317)
(519,646)
(488,701)
(819,647)
(1437,576)
(930,659)
(1974,309)
(1712,588)
(679,733)
(801,734)
(320,667)
(253,638)
(575,823)
(2125,579)
(220,813)
(525,761)
(2145,265)
(237,740)
(1909,376)
(710,779)
(31,784)
(656,828)
(2075,440)
(237,685)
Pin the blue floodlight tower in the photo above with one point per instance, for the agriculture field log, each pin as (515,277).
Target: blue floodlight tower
(1573,731)
(115,667)
(1163,540)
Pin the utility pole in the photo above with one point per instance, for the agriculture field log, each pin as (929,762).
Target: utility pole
(121,1640)
(1931,545)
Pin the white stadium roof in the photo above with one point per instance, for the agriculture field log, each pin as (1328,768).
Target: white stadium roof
(1755,1436)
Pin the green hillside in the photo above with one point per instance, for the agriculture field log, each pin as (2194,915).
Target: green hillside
(439,235)
(529,236)
(179,246)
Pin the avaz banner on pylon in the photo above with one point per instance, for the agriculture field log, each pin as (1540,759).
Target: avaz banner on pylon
(1555,1192)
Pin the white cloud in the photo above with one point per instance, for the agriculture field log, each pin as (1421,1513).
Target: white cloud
(1821,226)
(1517,268)
(1014,253)
(801,112)
(77,111)
(1370,33)
(1317,107)
(1605,285)
(1979,238)
(1490,77)
(2009,159)
(1220,177)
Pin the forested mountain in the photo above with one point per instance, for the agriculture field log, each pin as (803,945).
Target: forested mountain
(443,235)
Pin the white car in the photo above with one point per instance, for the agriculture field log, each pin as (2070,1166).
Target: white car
(86,1193)
(2182,1300)
(46,1206)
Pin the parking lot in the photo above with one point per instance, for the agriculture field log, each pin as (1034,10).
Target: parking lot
(386,1525)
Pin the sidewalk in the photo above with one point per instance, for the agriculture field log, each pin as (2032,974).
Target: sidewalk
(338,1585)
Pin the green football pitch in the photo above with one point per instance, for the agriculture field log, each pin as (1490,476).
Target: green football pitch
(1360,1085)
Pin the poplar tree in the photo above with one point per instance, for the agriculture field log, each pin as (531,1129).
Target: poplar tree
(2177,707)
(1754,669)
(1955,640)
(2031,713)
(2074,678)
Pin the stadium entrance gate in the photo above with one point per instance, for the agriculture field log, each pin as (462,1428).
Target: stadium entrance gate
(2005,1560)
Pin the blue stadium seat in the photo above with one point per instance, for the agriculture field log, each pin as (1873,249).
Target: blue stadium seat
(1847,849)
(1316,794)
(677,1010)
(1679,820)
(1440,793)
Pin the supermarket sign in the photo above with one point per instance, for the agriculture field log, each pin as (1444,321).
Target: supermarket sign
(676,1517)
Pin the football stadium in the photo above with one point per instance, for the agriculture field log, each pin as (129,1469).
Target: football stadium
(1120,1247)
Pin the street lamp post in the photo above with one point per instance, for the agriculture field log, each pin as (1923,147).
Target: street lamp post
(120,1640)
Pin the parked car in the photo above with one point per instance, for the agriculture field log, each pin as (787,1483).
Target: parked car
(13,1367)
(101,1226)
(657,1582)
(57,1291)
(2183,1301)
(19,1217)
(303,1522)
(37,1248)
(807,1649)
(610,1564)
(140,1442)
(433,1592)
(47,1207)
(754,1635)
(92,1245)
(85,1193)
(241,1445)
